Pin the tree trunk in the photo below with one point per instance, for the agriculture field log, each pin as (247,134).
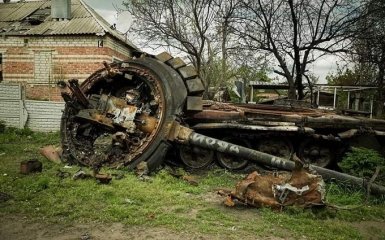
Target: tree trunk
(292,90)
(224,54)
(299,86)
(380,85)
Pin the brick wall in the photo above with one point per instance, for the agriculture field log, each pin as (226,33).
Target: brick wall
(34,92)
(39,62)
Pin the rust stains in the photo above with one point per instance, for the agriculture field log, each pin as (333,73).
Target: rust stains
(276,190)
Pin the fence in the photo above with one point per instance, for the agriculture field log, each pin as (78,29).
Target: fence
(37,115)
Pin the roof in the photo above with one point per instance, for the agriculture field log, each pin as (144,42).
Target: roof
(34,19)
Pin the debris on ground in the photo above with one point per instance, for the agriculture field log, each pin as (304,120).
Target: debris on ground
(192,180)
(85,236)
(30,166)
(181,174)
(279,189)
(142,171)
(62,174)
(103,178)
(81,175)
(52,153)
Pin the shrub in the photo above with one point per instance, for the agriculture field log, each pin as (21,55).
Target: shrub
(362,162)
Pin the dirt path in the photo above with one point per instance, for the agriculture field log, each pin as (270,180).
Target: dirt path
(21,228)
(18,227)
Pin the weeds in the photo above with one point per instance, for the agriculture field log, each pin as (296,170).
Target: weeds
(362,162)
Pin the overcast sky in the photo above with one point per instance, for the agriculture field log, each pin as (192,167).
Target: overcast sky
(106,8)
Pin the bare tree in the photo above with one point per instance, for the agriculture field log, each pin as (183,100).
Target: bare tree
(298,32)
(204,29)
(225,23)
(181,24)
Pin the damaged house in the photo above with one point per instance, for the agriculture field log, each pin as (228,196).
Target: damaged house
(43,42)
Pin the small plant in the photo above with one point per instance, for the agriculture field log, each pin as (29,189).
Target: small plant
(362,162)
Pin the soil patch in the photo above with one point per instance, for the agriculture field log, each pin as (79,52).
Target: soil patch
(371,229)
(19,227)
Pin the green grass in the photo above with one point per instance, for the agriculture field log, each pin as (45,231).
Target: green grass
(166,201)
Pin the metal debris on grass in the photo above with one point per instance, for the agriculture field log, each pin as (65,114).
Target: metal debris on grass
(279,189)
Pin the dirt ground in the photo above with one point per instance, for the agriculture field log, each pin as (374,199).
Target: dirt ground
(18,227)
(22,228)
(371,229)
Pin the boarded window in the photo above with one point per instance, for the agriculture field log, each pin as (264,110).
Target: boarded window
(43,66)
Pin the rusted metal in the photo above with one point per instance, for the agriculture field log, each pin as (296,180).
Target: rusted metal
(30,166)
(276,190)
(110,71)
(179,133)
(227,116)
(79,95)
(51,153)
(147,123)
(312,118)
(103,178)
(103,113)
(218,115)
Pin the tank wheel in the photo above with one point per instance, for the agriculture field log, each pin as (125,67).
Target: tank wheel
(280,147)
(148,81)
(195,157)
(316,152)
(230,162)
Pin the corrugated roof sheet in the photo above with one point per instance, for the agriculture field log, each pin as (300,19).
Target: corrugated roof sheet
(74,26)
(78,11)
(19,11)
(15,19)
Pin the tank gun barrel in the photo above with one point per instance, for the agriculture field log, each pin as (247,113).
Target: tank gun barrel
(185,135)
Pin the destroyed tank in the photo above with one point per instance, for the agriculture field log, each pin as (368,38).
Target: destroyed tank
(138,110)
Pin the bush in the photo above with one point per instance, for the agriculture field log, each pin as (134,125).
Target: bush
(362,162)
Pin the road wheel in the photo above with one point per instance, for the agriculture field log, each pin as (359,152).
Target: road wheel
(316,152)
(229,161)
